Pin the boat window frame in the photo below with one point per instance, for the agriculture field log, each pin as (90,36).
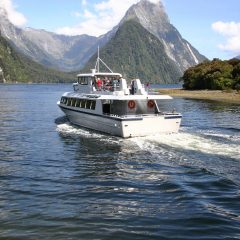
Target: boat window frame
(79,103)
(93,104)
(84,80)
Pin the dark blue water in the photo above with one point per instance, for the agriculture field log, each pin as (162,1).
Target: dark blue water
(58,181)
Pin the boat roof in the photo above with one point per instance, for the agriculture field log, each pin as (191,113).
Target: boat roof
(118,97)
(99,74)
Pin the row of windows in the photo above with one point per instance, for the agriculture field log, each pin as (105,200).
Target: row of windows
(80,103)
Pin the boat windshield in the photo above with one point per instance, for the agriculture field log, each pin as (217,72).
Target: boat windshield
(85,80)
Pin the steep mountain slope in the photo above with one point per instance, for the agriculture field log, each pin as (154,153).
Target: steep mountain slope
(54,50)
(137,53)
(18,68)
(154,18)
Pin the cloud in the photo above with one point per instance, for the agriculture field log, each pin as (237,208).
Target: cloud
(14,16)
(84,2)
(231,31)
(101,18)
(76,14)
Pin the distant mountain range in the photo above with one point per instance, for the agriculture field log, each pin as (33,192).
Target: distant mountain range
(15,67)
(144,44)
(66,53)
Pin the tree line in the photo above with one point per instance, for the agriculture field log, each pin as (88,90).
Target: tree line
(213,75)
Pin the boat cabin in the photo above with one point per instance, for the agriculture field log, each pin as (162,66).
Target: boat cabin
(107,83)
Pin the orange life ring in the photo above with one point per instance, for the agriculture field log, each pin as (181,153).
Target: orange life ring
(131,104)
(151,103)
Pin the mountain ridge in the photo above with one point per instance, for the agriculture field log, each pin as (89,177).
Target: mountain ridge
(15,67)
(73,52)
(134,51)
(153,17)
(49,48)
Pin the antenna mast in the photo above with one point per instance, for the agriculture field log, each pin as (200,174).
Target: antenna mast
(97,65)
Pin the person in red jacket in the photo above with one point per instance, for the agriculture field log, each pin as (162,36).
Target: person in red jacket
(99,83)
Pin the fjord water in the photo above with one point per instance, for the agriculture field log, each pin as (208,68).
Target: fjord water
(58,181)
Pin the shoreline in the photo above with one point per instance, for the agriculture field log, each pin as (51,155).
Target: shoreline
(214,95)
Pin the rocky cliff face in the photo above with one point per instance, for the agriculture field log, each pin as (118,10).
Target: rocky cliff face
(136,53)
(154,18)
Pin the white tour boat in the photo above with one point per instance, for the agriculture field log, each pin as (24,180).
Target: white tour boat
(103,101)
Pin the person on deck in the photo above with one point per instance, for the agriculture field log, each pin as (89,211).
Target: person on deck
(99,83)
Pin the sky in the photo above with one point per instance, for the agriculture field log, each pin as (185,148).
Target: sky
(211,26)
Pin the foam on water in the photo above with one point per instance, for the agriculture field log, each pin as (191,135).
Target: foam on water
(70,130)
(195,141)
(204,141)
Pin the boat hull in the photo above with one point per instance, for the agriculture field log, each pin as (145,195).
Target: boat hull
(131,126)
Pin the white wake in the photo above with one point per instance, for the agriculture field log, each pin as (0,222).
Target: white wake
(226,145)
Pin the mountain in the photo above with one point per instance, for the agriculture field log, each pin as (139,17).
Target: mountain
(137,53)
(154,19)
(15,67)
(70,53)
(58,51)
(148,46)
(238,57)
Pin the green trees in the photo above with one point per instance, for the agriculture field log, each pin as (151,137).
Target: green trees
(213,75)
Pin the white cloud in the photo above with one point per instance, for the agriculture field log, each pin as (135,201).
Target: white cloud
(154,1)
(101,19)
(231,31)
(76,14)
(84,2)
(88,14)
(14,16)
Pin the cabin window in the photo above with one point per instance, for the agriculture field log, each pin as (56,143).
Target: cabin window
(90,104)
(63,100)
(84,80)
(83,103)
(68,102)
(73,102)
(77,103)
(93,105)
(87,105)
(106,106)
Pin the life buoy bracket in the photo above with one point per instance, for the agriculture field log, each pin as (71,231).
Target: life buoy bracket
(150,103)
(131,104)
